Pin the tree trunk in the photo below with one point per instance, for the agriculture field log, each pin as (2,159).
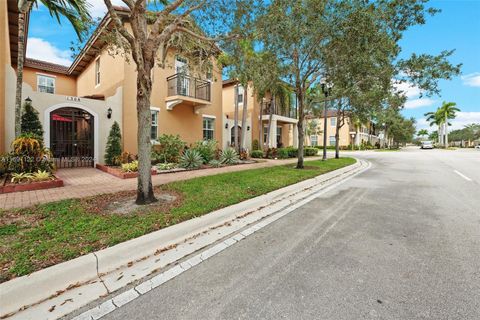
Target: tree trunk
(301,131)
(145,193)
(325,122)
(337,136)
(446,132)
(24,8)
(244,119)
(235,121)
(260,128)
(270,118)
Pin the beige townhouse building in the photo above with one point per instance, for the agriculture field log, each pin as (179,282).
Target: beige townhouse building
(283,129)
(350,133)
(79,103)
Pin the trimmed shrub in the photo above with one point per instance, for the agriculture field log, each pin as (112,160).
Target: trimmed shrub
(229,156)
(206,148)
(191,159)
(113,150)
(30,123)
(282,153)
(257,154)
(168,149)
(292,152)
(255,145)
(309,152)
(166,166)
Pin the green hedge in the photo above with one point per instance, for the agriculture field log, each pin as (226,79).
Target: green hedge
(257,154)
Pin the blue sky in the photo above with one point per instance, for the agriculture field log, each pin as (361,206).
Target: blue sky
(456,27)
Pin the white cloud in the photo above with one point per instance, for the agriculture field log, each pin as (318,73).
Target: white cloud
(408,89)
(43,50)
(98,8)
(464,118)
(472,79)
(412,93)
(418,103)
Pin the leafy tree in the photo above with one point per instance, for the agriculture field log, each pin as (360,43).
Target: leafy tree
(30,122)
(113,150)
(76,12)
(165,25)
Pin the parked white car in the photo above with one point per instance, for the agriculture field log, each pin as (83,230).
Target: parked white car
(477,147)
(427,145)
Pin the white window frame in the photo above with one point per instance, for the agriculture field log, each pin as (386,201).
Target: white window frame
(39,76)
(333,122)
(241,93)
(97,72)
(332,139)
(205,120)
(154,125)
(313,140)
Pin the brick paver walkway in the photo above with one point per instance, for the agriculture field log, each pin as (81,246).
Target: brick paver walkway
(83,182)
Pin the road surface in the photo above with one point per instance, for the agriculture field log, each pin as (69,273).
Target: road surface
(400,241)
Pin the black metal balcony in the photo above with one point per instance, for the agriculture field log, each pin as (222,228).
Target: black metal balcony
(181,84)
(284,111)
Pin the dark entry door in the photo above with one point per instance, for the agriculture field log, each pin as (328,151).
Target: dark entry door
(71,137)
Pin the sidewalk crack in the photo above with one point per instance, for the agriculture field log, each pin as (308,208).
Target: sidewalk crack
(98,274)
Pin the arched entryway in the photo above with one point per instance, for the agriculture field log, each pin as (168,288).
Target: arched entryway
(72,137)
(232,135)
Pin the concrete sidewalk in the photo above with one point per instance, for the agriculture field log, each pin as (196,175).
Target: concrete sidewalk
(84,182)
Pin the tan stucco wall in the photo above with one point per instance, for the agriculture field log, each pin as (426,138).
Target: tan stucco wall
(182,119)
(64,84)
(345,138)
(4,65)
(112,74)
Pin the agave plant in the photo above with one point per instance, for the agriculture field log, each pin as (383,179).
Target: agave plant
(215,163)
(191,159)
(229,156)
(21,177)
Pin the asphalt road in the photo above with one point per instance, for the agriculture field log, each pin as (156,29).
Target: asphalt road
(400,241)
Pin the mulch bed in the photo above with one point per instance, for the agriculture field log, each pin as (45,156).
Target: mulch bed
(117,171)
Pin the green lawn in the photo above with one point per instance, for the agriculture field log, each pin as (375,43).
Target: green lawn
(44,235)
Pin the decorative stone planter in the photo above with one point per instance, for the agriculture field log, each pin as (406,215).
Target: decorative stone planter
(117,172)
(30,186)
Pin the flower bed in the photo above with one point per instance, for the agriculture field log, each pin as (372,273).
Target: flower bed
(117,172)
(7,186)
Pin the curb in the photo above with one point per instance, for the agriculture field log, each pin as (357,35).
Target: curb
(52,290)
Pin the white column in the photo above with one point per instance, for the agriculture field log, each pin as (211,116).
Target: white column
(295,135)
(273,134)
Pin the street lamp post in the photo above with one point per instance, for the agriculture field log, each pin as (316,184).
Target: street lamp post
(326,89)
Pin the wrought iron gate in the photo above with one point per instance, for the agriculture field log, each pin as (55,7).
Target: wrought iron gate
(71,138)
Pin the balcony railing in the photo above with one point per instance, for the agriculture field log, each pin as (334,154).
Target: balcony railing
(280,111)
(183,85)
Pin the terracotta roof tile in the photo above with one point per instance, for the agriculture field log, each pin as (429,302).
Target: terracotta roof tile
(46,66)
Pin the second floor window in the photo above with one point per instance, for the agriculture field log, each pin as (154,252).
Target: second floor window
(154,131)
(45,84)
(333,122)
(313,140)
(97,72)
(240,94)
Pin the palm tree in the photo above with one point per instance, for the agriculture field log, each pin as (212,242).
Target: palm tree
(434,118)
(76,11)
(447,112)
(422,133)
